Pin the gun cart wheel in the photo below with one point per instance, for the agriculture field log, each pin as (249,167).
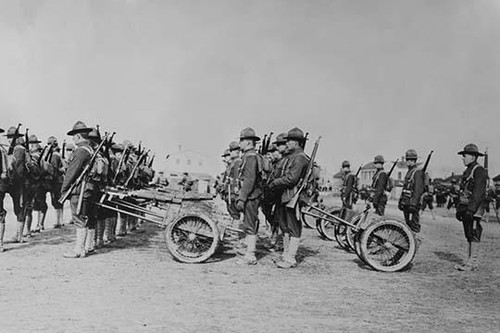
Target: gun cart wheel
(307,221)
(192,238)
(388,245)
(328,225)
(351,233)
(318,228)
(357,244)
(340,232)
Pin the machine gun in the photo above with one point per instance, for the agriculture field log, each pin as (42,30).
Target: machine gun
(83,175)
(14,140)
(303,182)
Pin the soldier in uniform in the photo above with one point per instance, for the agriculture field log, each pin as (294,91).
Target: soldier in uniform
(55,181)
(12,181)
(428,199)
(249,194)
(379,184)
(294,170)
(110,222)
(348,186)
(413,188)
(32,183)
(469,210)
(80,209)
(231,177)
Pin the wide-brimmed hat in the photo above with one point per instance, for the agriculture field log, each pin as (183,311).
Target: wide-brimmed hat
(225,153)
(117,147)
(295,134)
(346,164)
(234,146)
(379,159)
(70,146)
(280,139)
(470,149)
(79,127)
(248,134)
(94,135)
(52,140)
(33,139)
(272,147)
(411,154)
(11,132)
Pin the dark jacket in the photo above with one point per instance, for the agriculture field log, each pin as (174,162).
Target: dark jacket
(474,187)
(295,167)
(415,184)
(248,177)
(77,162)
(348,188)
(379,185)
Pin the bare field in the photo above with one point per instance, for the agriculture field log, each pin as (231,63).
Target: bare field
(135,286)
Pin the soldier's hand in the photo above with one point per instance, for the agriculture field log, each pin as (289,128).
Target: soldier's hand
(240,205)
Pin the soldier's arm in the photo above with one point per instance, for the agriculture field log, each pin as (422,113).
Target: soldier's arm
(293,173)
(79,159)
(479,190)
(248,177)
(380,188)
(419,186)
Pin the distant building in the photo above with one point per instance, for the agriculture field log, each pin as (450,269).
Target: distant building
(325,180)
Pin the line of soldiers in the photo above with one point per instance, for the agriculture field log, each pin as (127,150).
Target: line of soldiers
(269,181)
(471,202)
(29,172)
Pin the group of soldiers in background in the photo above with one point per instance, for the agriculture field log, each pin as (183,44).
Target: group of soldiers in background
(77,172)
(269,179)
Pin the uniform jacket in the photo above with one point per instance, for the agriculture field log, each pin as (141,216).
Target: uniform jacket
(17,173)
(348,187)
(250,188)
(57,163)
(414,182)
(77,162)
(379,185)
(475,186)
(294,169)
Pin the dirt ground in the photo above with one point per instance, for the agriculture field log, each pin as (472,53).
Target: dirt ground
(135,286)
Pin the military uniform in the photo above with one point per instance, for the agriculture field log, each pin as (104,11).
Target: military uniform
(413,188)
(379,185)
(294,170)
(12,182)
(32,182)
(231,180)
(81,212)
(469,211)
(348,186)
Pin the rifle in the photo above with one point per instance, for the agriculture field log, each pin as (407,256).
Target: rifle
(143,155)
(305,140)
(151,162)
(392,169)
(139,152)
(63,153)
(268,142)
(120,164)
(83,175)
(14,139)
(486,160)
(303,182)
(263,145)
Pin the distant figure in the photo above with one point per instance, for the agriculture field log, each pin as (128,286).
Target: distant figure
(413,188)
(186,182)
(379,185)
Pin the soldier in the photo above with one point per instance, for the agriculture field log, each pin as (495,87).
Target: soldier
(80,209)
(379,184)
(469,210)
(453,194)
(413,188)
(249,193)
(294,170)
(55,181)
(32,182)
(428,199)
(110,222)
(12,181)
(231,177)
(348,186)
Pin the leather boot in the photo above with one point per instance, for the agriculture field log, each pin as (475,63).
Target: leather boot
(79,250)
(249,257)
(59,218)
(113,229)
(18,238)
(2,232)
(27,224)
(99,239)
(467,261)
(286,245)
(42,220)
(289,259)
(120,225)
(90,241)
(472,263)
(38,221)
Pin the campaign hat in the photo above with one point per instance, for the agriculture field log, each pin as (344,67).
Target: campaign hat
(52,140)
(117,147)
(272,147)
(411,154)
(295,134)
(346,164)
(470,149)
(94,135)
(379,159)
(248,134)
(234,146)
(79,127)
(33,139)
(280,139)
(11,132)
(226,153)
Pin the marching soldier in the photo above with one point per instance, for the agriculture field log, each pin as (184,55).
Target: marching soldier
(413,188)
(294,170)
(379,184)
(13,181)
(55,180)
(249,194)
(80,197)
(469,210)
(348,186)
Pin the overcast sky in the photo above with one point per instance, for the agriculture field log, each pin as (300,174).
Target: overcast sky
(371,77)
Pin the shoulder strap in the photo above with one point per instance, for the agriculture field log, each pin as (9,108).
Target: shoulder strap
(471,176)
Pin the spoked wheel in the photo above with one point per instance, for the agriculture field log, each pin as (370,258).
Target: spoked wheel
(350,233)
(388,245)
(328,225)
(308,221)
(192,239)
(340,232)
